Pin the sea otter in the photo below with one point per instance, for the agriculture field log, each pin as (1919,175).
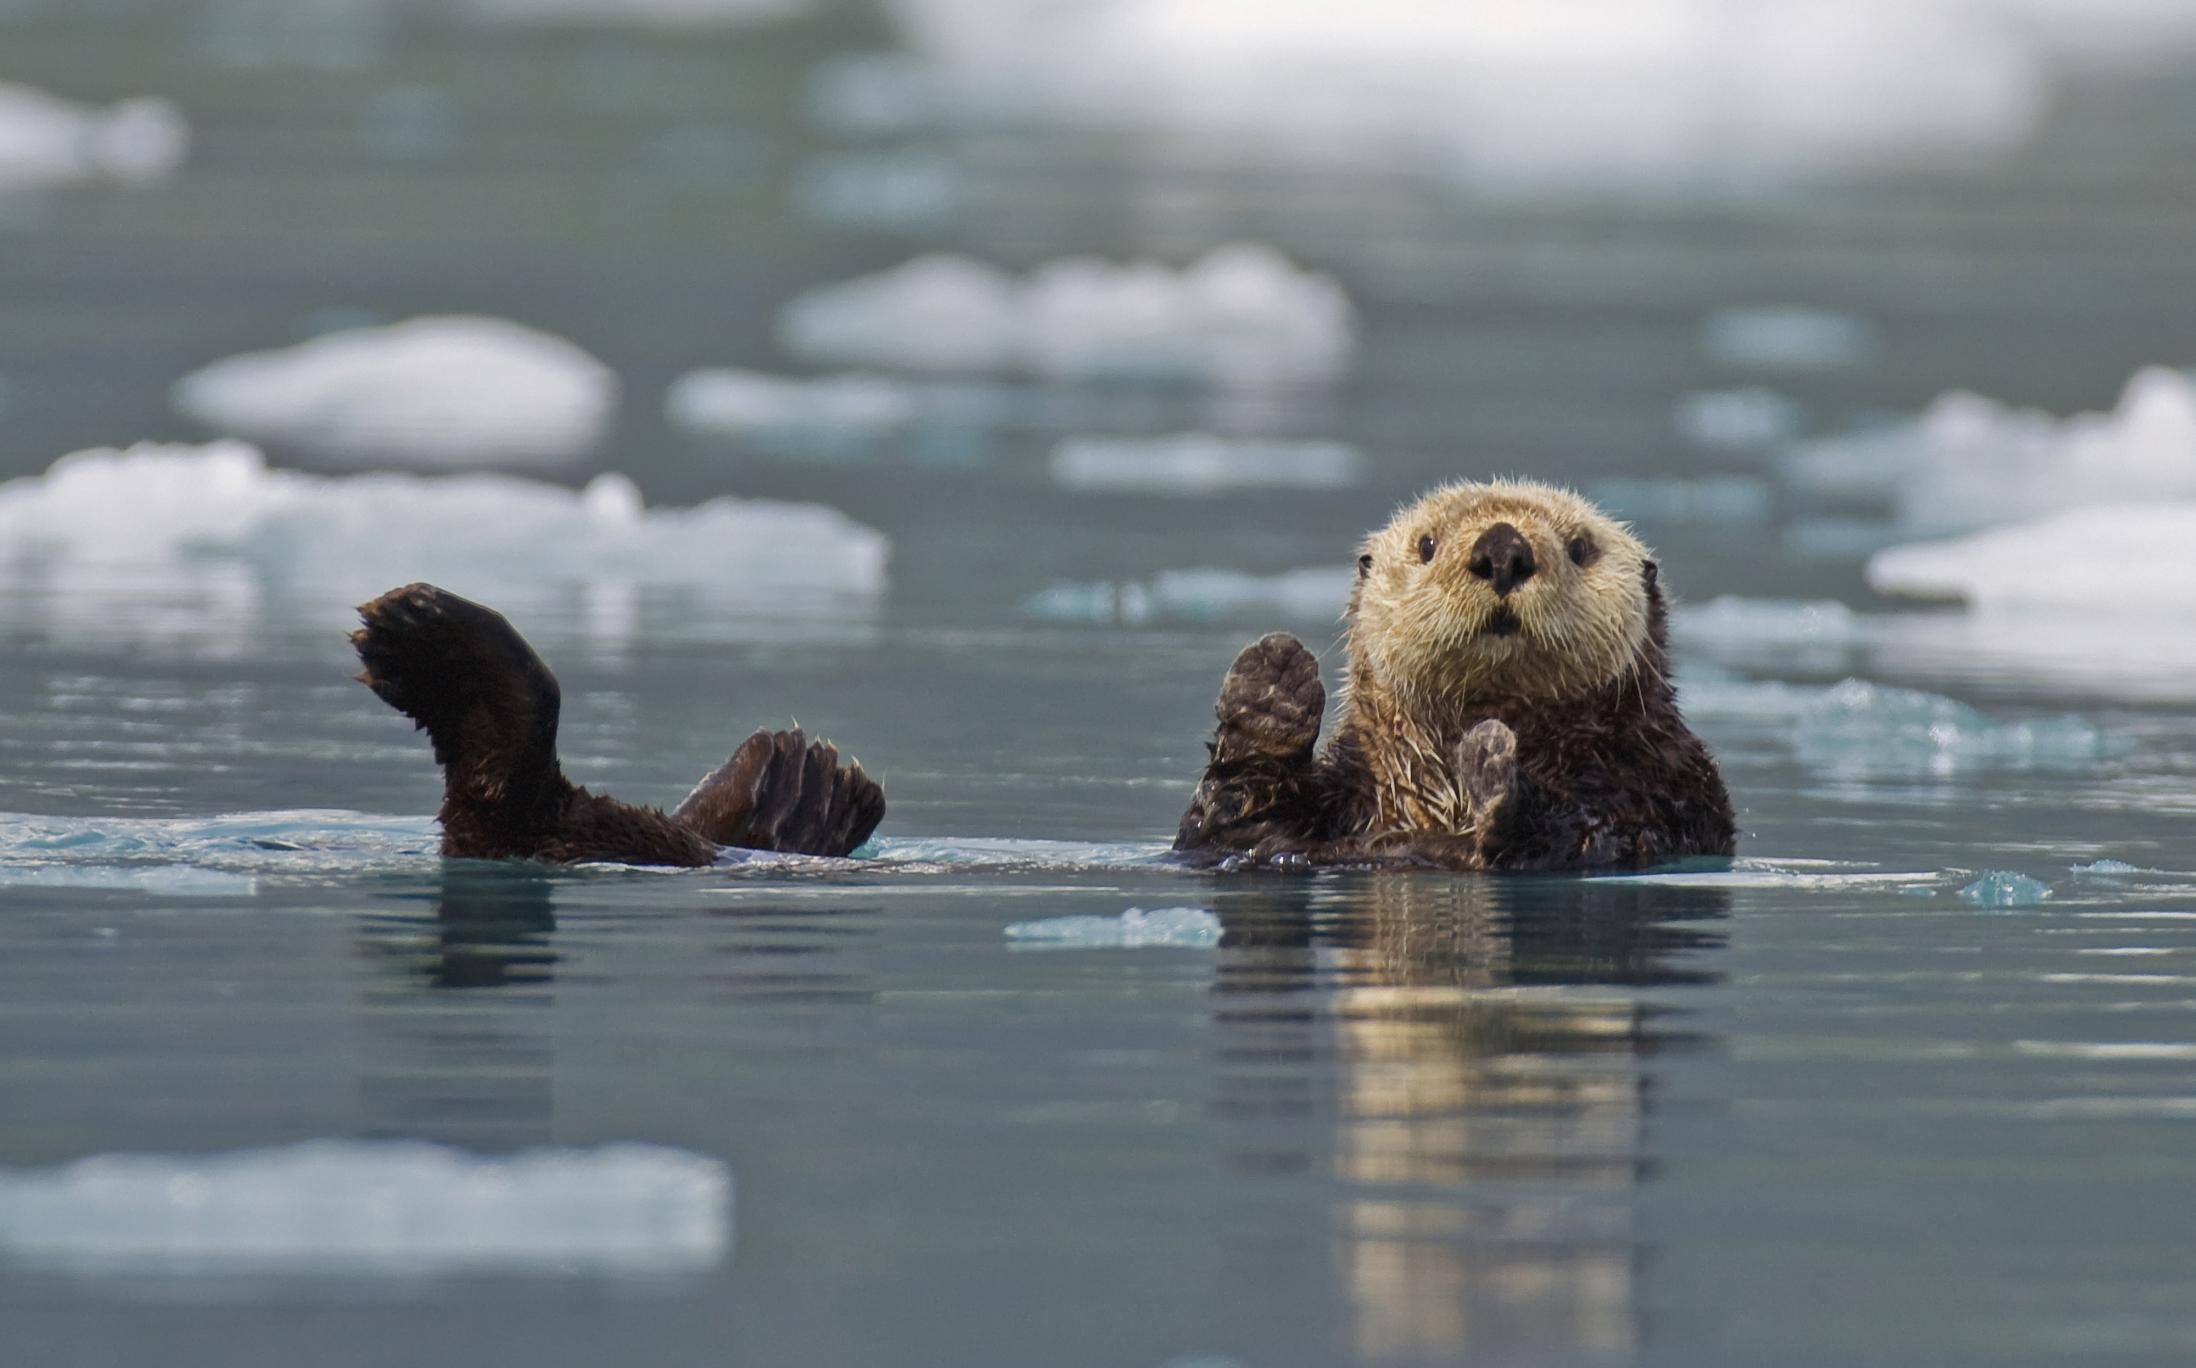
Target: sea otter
(1508,707)
(489,706)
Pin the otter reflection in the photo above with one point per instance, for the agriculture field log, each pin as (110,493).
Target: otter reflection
(476,1073)
(1479,1046)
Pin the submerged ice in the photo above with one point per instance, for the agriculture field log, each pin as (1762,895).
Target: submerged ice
(1864,729)
(1315,593)
(372,1208)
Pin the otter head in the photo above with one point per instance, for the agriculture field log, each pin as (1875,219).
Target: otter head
(1500,589)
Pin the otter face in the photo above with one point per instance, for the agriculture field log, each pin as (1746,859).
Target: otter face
(1503,587)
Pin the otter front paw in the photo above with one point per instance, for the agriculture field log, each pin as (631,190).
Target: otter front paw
(1270,703)
(1486,766)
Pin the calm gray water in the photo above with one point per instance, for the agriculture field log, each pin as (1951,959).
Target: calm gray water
(1913,1082)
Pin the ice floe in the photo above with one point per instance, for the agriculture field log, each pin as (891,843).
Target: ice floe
(47,141)
(372,1208)
(114,523)
(834,410)
(675,14)
(2004,888)
(1733,621)
(1137,928)
(435,392)
(1969,462)
(1242,316)
(2119,560)
(879,190)
(1200,463)
(1785,338)
(1318,593)
(1515,97)
(158,880)
(1744,419)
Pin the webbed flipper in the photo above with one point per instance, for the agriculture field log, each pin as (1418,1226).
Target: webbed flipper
(778,791)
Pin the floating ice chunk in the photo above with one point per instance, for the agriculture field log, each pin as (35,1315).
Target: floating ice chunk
(1133,929)
(834,409)
(1970,462)
(1791,339)
(1721,499)
(48,141)
(1241,316)
(2105,869)
(448,392)
(1729,620)
(1197,596)
(1736,419)
(2151,563)
(1200,463)
(639,13)
(362,1208)
(1551,95)
(2004,888)
(179,513)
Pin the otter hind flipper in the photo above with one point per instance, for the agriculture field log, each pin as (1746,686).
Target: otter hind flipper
(1262,782)
(468,679)
(780,792)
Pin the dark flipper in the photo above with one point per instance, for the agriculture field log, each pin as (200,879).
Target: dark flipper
(779,792)
(1262,783)
(485,700)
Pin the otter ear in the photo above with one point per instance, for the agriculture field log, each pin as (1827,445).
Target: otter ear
(1650,572)
(1364,565)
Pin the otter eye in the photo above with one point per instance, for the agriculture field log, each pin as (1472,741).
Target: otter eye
(1425,548)
(1582,549)
(1364,565)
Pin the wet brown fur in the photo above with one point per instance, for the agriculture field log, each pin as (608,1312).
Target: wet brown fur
(1556,744)
(489,707)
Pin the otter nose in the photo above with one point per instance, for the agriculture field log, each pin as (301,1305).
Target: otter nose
(1502,557)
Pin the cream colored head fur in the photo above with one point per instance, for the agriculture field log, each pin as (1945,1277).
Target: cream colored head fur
(1428,625)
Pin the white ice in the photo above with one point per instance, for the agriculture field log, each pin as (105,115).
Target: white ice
(1525,95)
(1970,462)
(2127,560)
(1785,338)
(47,141)
(166,515)
(742,403)
(372,1208)
(1743,419)
(1201,463)
(1241,316)
(1317,593)
(445,392)
(671,14)
(158,880)
(1187,927)
(1729,620)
